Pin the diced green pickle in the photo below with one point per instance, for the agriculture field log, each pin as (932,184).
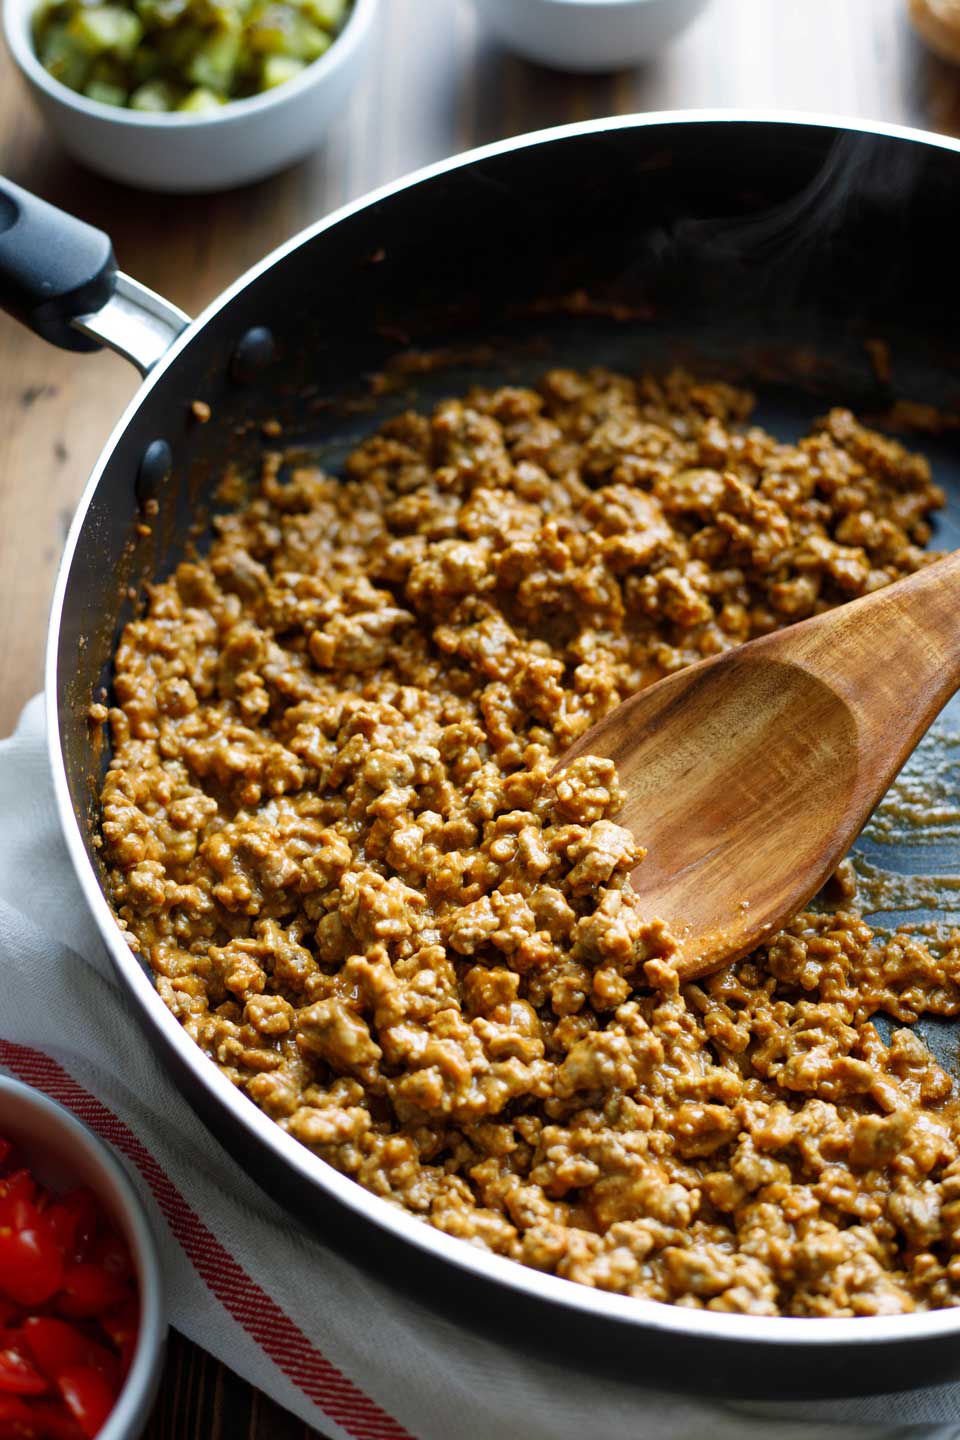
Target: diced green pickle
(278,69)
(328,14)
(270,32)
(311,42)
(144,65)
(159,14)
(156,96)
(106,93)
(282,30)
(200,99)
(106,27)
(62,56)
(176,47)
(220,12)
(189,55)
(214,64)
(107,70)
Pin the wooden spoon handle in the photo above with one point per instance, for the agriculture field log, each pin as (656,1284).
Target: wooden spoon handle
(894,655)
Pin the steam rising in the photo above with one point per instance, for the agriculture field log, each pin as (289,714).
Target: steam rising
(854,211)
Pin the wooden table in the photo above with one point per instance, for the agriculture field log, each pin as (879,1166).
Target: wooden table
(435,84)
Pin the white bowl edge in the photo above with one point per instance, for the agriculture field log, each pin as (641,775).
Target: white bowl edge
(43,1127)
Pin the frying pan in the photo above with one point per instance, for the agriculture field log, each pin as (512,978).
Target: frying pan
(813,258)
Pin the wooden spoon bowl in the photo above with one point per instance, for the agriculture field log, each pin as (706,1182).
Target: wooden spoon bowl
(749,775)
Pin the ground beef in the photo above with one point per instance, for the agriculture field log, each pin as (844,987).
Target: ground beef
(332,828)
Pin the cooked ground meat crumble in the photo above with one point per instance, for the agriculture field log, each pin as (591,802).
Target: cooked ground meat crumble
(331,827)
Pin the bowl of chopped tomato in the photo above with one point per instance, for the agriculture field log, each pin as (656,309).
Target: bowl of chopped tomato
(81,1315)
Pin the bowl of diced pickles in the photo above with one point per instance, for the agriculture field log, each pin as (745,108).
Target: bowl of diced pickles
(189,95)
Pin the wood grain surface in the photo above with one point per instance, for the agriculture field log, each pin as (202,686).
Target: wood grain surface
(435,84)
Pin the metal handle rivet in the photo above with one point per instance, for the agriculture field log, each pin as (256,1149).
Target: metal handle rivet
(156,467)
(254,351)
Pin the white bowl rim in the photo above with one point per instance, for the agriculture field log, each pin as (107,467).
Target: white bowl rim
(17,15)
(153,1326)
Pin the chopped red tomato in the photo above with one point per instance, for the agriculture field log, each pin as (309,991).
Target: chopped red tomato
(60,1370)
(18,1376)
(15,1191)
(53,1344)
(55,1421)
(88,1289)
(31,1265)
(56,1345)
(110,1252)
(122,1324)
(87,1396)
(75,1219)
(17,1421)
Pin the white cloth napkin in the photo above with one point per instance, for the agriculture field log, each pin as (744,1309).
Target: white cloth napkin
(351,1357)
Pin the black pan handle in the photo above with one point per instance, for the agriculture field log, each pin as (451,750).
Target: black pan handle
(53,267)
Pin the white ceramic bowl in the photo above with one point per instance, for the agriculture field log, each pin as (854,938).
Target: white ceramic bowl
(588,35)
(65,1153)
(244,141)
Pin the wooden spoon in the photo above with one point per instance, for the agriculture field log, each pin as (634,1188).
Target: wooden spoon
(749,775)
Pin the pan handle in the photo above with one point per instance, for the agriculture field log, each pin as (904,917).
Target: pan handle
(58,276)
